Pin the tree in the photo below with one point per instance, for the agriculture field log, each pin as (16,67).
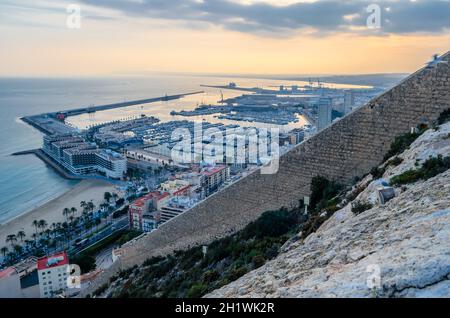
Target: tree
(115,196)
(21,235)
(66,213)
(42,225)
(73,210)
(91,206)
(107,196)
(4,250)
(18,249)
(11,238)
(36,225)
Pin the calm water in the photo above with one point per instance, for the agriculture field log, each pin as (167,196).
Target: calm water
(26,182)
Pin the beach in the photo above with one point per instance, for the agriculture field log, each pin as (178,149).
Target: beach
(51,211)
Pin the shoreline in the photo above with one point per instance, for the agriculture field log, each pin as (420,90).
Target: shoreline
(51,211)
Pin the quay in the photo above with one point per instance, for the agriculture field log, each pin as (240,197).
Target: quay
(92,109)
(49,124)
(41,155)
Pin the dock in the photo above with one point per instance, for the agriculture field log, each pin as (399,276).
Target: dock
(41,155)
(49,124)
(93,109)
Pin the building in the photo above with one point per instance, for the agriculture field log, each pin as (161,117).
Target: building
(20,280)
(349,101)
(324,113)
(175,206)
(212,178)
(150,221)
(142,206)
(53,272)
(82,158)
(297,135)
(176,187)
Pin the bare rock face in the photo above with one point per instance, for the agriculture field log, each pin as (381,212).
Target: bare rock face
(401,249)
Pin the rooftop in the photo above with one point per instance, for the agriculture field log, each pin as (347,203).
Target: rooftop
(55,260)
(7,272)
(152,195)
(211,171)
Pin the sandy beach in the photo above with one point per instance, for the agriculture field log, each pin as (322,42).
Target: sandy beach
(51,211)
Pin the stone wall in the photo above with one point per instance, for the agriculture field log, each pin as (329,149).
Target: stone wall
(348,148)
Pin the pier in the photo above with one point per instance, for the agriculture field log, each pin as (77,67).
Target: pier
(41,155)
(92,109)
(49,123)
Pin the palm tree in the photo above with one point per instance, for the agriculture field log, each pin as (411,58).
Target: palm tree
(73,210)
(36,225)
(21,235)
(34,236)
(66,212)
(4,250)
(91,206)
(42,225)
(83,204)
(11,238)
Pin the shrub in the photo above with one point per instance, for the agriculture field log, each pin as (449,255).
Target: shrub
(197,291)
(430,168)
(210,276)
(258,261)
(395,161)
(235,273)
(401,143)
(444,117)
(100,290)
(272,224)
(377,172)
(322,190)
(359,207)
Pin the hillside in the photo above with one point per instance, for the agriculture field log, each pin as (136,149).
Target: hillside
(407,238)
(327,253)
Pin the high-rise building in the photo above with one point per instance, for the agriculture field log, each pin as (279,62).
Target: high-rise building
(324,113)
(349,101)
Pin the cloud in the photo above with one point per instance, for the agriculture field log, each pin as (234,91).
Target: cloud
(323,16)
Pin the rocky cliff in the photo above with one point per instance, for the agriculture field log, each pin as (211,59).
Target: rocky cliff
(399,249)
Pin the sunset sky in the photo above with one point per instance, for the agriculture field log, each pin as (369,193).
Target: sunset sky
(219,36)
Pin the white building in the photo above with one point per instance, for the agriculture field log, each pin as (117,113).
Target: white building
(53,272)
(82,158)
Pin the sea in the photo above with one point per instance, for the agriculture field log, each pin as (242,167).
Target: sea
(27,183)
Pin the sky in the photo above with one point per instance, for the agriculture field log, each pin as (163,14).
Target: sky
(43,38)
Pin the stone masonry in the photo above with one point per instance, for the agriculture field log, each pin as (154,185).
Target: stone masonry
(348,148)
